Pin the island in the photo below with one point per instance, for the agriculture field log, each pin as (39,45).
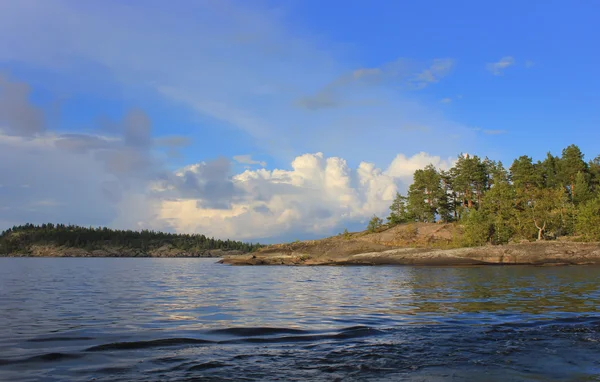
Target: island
(477,212)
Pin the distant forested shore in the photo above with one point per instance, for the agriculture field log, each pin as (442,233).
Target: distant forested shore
(58,240)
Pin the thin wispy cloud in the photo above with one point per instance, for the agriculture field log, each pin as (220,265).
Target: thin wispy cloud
(439,69)
(247,159)
(494,132)
(497,68)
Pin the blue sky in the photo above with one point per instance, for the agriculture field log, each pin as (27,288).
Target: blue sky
(276,120)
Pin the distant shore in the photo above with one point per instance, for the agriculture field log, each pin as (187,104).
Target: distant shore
(165,251)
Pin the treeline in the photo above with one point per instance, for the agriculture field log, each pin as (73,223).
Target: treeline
(20,238)
(559,196)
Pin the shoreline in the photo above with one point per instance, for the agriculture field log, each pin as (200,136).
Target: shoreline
(535,253)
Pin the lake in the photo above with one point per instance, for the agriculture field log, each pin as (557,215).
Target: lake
(120,319)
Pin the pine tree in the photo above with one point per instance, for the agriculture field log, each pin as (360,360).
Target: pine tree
(549,170)
(524,173)
(583,187)
(470,179)
(424,194)
(570,164)
(399,212)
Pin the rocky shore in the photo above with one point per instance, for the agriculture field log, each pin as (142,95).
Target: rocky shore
(417,244)
(526,253)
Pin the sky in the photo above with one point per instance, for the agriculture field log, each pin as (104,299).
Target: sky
(270,120)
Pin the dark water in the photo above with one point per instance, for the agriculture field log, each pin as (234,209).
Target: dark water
(191,319)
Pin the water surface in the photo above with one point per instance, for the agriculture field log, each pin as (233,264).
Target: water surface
(191,319)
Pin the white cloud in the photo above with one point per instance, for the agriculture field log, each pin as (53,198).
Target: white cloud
(497,68)
(404,167)
(317,196)
(446,100)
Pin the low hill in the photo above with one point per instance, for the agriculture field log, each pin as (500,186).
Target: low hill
(59,240)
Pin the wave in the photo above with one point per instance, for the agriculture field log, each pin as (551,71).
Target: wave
(48,357)
(148,344)
(260,335)
(257,331)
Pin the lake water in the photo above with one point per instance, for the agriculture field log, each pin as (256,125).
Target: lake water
(192,319)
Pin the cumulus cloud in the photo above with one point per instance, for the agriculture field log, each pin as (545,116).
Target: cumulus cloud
(316,196)
(209,184)
(497,68)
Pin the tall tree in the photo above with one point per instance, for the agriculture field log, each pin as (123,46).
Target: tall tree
(583,187)
(588,219)
(524,173)
(425,194)
(549,171)
(470,179)
(570,164)
(450,210)
(499,207)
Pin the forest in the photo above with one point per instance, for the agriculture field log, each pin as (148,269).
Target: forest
(544,200)
(21,238)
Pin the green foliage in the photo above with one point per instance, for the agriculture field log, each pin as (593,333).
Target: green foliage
(524,174)
(588,219)
(374,224)
(19,239)
(470,179)
(399,212)
(570,164)
(594,167)
(478,228)
(583,187)
(499,207)
(541,200)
